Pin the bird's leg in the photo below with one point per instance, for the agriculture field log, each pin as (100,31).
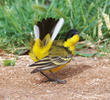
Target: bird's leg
(57,79)
(49,79)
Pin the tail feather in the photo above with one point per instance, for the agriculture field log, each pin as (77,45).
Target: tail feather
(46,26)
(36,31)
(57,28)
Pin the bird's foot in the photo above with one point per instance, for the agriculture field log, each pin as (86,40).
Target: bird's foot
(56,81)
(61,81)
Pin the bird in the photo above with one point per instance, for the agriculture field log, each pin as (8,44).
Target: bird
(58,57)
(45,33)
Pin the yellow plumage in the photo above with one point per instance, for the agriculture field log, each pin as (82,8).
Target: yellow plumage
(57,57)
(48,29)
(45,33)
(40,48)
(70,43)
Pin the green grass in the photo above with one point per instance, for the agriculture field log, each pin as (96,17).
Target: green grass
(8,62)
(17,18)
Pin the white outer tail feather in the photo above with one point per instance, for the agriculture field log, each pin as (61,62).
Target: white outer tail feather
(57,28)
(55,32)
(36,31)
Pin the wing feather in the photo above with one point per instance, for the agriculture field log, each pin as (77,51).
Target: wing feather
(48,63)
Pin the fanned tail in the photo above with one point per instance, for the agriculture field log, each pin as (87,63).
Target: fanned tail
(46,26)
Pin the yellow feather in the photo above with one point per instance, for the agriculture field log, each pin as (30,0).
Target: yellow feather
(54,59)
(40,48)
(60,51)
(70,43)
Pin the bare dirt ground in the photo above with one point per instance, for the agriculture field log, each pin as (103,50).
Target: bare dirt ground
(87,79)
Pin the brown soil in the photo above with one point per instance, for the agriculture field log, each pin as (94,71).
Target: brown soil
(87,79)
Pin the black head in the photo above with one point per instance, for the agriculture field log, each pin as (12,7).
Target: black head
(70,33)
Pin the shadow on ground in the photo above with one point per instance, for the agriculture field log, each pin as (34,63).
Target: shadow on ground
(69,71)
